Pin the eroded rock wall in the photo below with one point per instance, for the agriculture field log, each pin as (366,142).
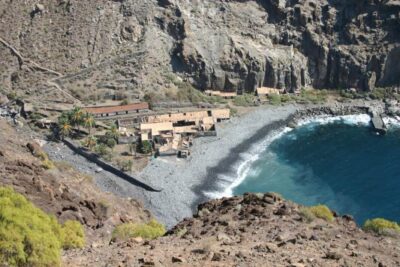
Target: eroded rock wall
(130,46)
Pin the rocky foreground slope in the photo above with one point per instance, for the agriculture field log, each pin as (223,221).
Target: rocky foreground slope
(95,49)
(249,230)
(61,190)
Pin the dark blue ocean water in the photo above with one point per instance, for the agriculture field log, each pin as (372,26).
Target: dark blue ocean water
(346,167)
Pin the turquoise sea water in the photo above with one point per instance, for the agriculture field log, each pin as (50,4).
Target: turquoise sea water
(345,166)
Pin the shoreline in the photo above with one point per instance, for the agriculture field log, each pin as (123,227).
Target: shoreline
(214,161)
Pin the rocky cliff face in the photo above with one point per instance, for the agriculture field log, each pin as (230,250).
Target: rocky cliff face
(130,47)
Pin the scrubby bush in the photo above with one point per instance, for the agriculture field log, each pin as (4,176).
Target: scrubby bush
(63,166)
(46,162)
(28,236)
(381,226)
(244,100)
(101,149)
(307,215)
(313,96)
(111,143)
(150,230)
(125,101)
(319,211)
(274,99)
(72,235)
(144,147)
(286,98)
(125,165)
(233,111)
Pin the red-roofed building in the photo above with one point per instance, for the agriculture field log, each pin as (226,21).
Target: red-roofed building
(106,111)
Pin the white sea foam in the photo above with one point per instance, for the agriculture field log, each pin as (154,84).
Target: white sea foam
(228,183)
(358,119)
(392,121)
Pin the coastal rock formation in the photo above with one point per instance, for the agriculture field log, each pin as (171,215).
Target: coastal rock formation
(130,47)
(249,230)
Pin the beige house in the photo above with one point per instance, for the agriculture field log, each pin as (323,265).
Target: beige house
(174,131)
(192,116)
(106,111)
(266,91)
(149,130)
(223,94)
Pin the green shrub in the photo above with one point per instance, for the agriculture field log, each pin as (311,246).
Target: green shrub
(381,226)
(145,147)
(72,235)
(244,100)
(319,211)
(151,230)
(313,96)
(28,236)
(63,166)
(382,93)
(125,165)
(233,111)
(46,162)
(111,143)
(307,214)
(101,149)
(274,99)
(286,98)
(124,102)
(12,96)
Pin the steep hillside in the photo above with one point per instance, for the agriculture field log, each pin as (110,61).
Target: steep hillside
(97,49)
(59,189)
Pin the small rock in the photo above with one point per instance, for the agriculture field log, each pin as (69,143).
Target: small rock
(203,212)
(216,257)
(223,237)
(178,259)
(333,255)
(137,239)
(240,255)
(39,8)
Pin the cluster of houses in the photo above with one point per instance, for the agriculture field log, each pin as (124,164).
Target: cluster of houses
(170,133)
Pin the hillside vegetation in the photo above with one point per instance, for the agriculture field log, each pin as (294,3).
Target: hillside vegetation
(30,237)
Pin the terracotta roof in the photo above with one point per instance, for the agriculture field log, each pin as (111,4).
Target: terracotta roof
(112,109)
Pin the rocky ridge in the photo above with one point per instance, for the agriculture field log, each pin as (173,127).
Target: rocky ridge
(129,47)
(249,230)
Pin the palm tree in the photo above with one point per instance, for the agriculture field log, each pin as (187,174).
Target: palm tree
(64,126)
(113,132)
(77,116)
(88,121)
